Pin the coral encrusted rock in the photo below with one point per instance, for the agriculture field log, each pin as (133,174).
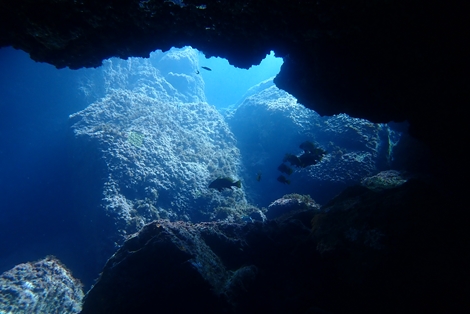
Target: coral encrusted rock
(270,123)
(45,286)
(151,146)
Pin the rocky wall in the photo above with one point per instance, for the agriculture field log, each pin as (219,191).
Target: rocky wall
(270,123)
(157,145)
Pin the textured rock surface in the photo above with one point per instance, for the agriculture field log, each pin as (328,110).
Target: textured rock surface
(45,286)
(270,123)
(377,252)
(290,204)
(381,60)
(208,267)
(152,147)
(384,180)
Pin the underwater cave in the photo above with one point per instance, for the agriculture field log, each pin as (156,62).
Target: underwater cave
(232,156)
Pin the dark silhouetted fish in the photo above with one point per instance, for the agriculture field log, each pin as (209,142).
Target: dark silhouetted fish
(283,179)
(206,68)
(224,183)
(308,147)
(293,160)
(258,176)
(309,159)
(312,155)
(285,168)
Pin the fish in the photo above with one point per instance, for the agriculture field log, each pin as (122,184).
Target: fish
(258,176)
(307,147)
(197,71)
(285,168)
(224,183)
(293,160)
(309,159)
(312,155)
(283,179)
(206,68)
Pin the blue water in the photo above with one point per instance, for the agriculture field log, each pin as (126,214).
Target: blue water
(226,85)
(35,101)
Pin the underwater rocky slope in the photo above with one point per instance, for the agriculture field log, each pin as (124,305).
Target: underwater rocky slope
(150,147)
(381,247)
(378,248)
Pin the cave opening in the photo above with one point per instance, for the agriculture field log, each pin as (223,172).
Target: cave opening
(208,119)
(226,85)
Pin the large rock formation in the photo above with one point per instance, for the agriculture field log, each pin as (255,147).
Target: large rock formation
(45,286)
(376,250)
(270,123)
(381,60)
(149,149)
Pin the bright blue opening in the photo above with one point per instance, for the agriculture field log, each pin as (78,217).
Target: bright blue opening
(225,85)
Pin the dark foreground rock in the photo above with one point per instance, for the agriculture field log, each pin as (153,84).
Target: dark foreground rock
(207,267)
(45,286)
(370,251)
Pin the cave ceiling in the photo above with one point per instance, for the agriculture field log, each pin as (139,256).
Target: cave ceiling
(380,60)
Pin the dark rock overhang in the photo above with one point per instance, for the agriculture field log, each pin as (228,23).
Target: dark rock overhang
(379,60)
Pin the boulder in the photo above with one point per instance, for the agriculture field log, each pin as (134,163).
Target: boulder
(44,286)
